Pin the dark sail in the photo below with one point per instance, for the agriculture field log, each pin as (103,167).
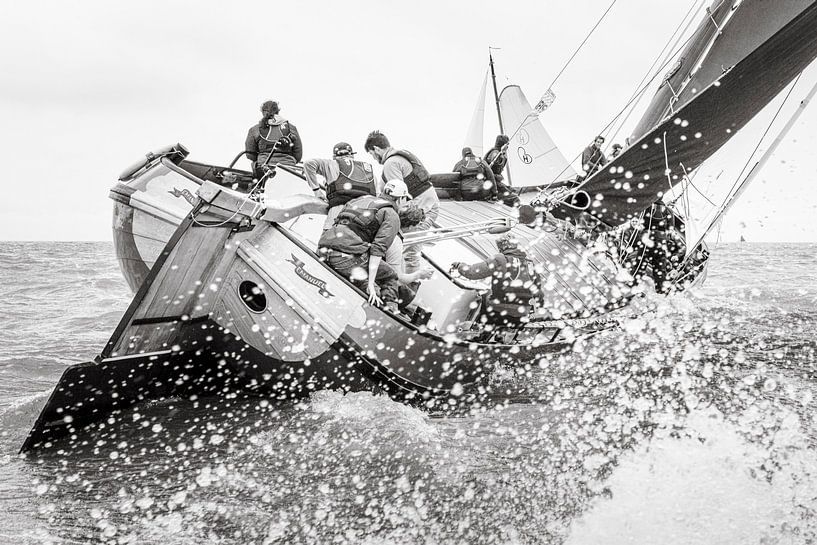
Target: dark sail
(754,22)
(671,86)
(635,179)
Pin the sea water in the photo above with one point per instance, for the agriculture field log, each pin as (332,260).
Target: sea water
(691,423)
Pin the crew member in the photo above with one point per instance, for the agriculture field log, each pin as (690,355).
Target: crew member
(658,247)
(497,159)
(410,216)
(616,151)
(356,244)
(477,182)
(592,157)
(344,179)
(516,287)
(405,166)
(273,140)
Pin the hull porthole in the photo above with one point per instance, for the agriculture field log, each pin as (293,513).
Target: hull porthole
(253,296)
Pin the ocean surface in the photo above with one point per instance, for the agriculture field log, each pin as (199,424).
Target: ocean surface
(694,423)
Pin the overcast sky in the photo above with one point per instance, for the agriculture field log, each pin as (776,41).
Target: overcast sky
(90,86)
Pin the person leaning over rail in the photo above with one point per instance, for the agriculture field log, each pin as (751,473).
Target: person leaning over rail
(356,245)
(272,140)
(405,166)
(344,179)
(516,287)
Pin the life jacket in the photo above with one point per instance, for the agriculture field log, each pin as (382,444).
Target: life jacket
(269,135)
(356,179)
(514,291)
(359,216)
(470,167)
(499,160)
(474,186)
(418,180)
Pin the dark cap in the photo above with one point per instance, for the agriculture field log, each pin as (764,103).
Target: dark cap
(467,151)
(270,107)
(341,149)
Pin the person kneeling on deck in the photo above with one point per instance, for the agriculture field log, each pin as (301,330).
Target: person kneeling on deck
(516,287)
(344,179)
(477,182)
(356,245)
(273,140)
(405,166)
(497,159)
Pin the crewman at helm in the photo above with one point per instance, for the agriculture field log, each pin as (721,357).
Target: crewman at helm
(516,287)
(405,166)
(477,181)
(356,244)
(273,140)
(344,179)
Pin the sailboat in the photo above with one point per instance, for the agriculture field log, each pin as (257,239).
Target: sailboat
(231,297)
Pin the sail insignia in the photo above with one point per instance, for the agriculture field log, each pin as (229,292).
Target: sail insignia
(532,154)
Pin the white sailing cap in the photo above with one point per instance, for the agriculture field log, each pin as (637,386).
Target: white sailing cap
(396,189)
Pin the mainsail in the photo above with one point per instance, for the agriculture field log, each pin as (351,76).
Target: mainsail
(474,138)
(753,22)
(657,161)
(533,157)
(680,71)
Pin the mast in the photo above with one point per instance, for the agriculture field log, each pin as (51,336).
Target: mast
(496,94)
(498,110)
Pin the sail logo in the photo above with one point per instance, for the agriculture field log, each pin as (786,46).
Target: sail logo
(189,197)
(308,278)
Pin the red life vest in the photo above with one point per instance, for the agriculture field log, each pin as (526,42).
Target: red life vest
(356,179)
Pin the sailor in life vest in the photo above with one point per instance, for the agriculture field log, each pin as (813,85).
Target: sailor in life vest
(497,159)
(273,140)
(340,179)
(355,246)
(477,182)
(405,166)
(516,287)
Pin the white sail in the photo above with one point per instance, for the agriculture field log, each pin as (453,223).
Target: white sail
(533,158)
(474,138)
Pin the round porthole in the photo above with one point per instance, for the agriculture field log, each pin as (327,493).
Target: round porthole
(253,296)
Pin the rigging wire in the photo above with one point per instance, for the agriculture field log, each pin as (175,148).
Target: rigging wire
(582,44)
(573,56)
(740,180)
(666,50)
(606,127)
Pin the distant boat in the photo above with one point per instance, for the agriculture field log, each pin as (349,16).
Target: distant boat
(742,239)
